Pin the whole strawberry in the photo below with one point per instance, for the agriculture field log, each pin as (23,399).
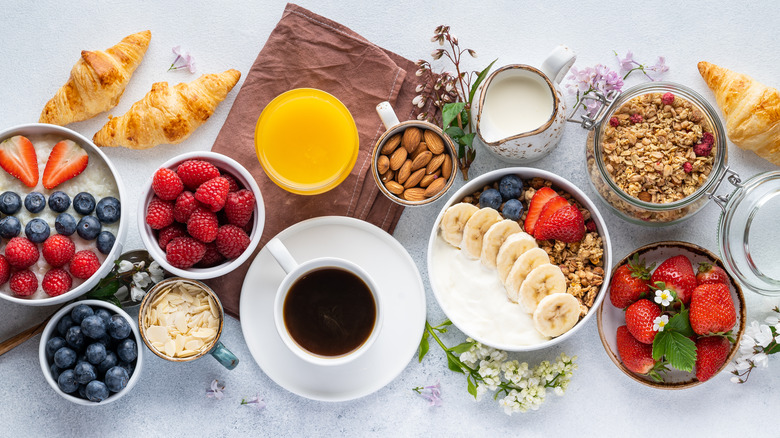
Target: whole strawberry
(231,241)
(709,274)
(84,264)
(56,282)
(58,250)
(184,206)
(159,213)
(5,270)
(166,184)
(239,207)
(193,173)
(677,274)
(203,225)
(23,283)
(21,253)
(712,309)
(629,282)
(711,354)
(183,252)
(213,193)
(636,356)
(639,319)
(565,225)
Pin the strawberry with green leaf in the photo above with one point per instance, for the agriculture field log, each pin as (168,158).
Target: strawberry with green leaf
(638,356)
(629,283)
(673,343)
(710,274)
(677,274)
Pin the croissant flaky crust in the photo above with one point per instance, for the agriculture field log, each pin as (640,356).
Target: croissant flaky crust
(97,81)
(751,110)
(168,115)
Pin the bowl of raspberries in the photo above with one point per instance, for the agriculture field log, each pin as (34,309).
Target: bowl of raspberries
(202,215)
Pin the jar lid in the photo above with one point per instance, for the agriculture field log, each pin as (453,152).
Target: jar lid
(749,232)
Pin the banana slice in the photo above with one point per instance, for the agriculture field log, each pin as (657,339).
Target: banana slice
(494,239)
(527,262)
(453,220)
(541,281)
(513,247)
(556,314)
(475,230)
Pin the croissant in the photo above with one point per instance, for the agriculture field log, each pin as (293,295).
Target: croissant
(167,114)
(96,82)
(751,110)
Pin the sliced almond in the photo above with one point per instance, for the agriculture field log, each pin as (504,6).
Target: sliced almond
(391,144)
(414,178)
(382,164)
(398,158)
(435,143)
(435,163)
(422,160)
(411,138)
(435,187)
(404,172)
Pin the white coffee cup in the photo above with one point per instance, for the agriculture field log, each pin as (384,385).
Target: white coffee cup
(295,271)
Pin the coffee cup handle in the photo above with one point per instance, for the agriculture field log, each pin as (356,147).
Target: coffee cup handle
(224,356)
(387,114)
(558,63)
(282,255)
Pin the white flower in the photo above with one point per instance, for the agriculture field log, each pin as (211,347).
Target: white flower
(125,266)
(761,360)
(664,297)
(772,320)
(764,335)
(141,279)
(736,379)
(156,272)
(660,322)
(137,294)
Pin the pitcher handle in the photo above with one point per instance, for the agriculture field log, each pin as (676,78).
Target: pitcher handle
(224,356)
(387,114)
(558,63)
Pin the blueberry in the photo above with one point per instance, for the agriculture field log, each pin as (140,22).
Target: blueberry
(105,241)
(65,224)
(119,328)
(116,378)
(59,201)
(65,358)
(511,187)
(129,367)
(84,203)
(65,323)
(54,344)
(34,202)
(10,203)
(37,230)
(93,326)
(97,391)
(85,372)
(126,350)
(104,314)
(75,338)
(490,198)
(10,227)
(88,228)
(82,359)
(105,340)
(513,209)
(80,312)
(67,381)
(96,353)
(110,361)
(108,210)
(55,371)
(83,391)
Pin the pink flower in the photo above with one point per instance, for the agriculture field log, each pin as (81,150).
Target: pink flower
(255,402)
(216,390)
(183,60)
(432,393)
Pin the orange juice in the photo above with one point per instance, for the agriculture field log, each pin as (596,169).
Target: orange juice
(306,141)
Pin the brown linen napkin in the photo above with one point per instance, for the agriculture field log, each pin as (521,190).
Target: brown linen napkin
(306,50)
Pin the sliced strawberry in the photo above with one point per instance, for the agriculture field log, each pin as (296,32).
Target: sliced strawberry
(565,224)
(535,207)
(66,160)
(18,157)
(551,207)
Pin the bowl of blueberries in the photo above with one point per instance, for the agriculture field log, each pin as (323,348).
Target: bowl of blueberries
(89,352)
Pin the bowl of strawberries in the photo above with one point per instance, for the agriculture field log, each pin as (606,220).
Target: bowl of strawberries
(202,215)
(674,317)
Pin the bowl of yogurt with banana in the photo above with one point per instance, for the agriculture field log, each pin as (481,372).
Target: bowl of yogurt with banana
(518,257)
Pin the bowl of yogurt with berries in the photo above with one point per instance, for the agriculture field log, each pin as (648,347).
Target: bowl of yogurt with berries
(61,219)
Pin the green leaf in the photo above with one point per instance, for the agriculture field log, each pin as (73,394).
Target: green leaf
(449,112)
(105,292)
(462,348)
(678,350)
(424,347)
(680,323)
(453,365)
(467,139)
(480,77)
(454,132)
(472,387)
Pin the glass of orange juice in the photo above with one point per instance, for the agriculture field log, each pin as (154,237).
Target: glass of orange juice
(306,140)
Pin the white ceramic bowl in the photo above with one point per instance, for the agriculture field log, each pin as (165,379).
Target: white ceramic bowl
(525,173)
(258,218)
(41,129)
(51,327)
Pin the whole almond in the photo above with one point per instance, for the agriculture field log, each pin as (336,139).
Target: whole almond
(398,158)
(394,188)
(414,178)
(435,143)
(412,137)
(382,164)
(435,187)
(446,167)
(435,163)
(427,180)
(422,147)
(404,172)
(422,160)
(388,176)
(391,144)
(415,194)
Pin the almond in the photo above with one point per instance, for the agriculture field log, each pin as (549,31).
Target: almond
(388,176)
(412,137)
(398,158)
(427,180)
(394,188)
(422,147)
(435,187)
(404,172)
(422,160)
(435,143)
(435,163)
(415,194)
(414,178)
(391,144)
(446,167)
(382,164)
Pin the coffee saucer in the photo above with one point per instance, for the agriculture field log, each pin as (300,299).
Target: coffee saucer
(403,303)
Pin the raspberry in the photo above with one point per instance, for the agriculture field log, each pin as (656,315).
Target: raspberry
(231,241)
(58,250)
(702,149)
(667,98)
(5,270)
(239,207)
(590,226)
(84,264)
(23,283)
(166,184)
(193,173)
(688,167)
(212,257)
(21,253)
(203,225)
(234,187)
(169,233)
(636,118)
(708,138)
(614,122)
(184,206)
(183,252)
(159,213)
(213,193)
(56,282)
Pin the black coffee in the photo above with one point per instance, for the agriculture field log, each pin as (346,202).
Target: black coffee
(329,312)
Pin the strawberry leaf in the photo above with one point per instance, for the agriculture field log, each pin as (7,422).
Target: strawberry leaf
(678,350)
(680,323)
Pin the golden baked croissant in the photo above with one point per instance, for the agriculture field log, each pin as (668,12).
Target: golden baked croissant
(751,110)
(167,114)
(97,81)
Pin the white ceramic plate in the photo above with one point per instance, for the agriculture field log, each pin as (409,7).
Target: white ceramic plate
(403,300)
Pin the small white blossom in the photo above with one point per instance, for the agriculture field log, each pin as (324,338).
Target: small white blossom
(137,294)
(156,272)
(141,279)
(660,322)
(125,266)
(761,360)
(664,297)
(417,100)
